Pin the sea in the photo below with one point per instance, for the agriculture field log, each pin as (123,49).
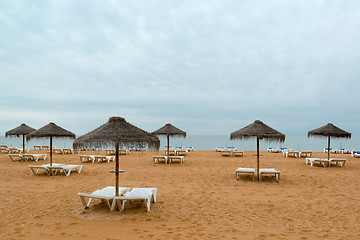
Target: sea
(209,142)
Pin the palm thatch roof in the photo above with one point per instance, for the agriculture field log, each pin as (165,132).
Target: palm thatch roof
(50,130)
(329,130)
(260,130)
(170,130)
(23,129)
(117,131)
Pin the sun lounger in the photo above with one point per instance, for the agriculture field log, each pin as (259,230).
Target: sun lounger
(14,150)
(106,194)
(67,169)
(45,148)
(36,168)
(176,158)
(135,194)
(355,153)
(99,158)
(226,153)
(4,150)
(263,171)
(123,152)
(326,150)
(57,151)
(245,170)
(16,157)
(34,157)
(321,162)
(110,152)
(87,158)
(181,152)
(295,154)
(306,154)
(171,152)
(68,151)
(273,150)
(337,161)
(158,159)
(238,153)
(37,147)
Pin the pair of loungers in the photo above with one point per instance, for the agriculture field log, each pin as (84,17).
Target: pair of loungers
(160,159)
(55,168)
(27,157)
(232,153)
(262,171)
(125,194)
(96,158)
(326,162)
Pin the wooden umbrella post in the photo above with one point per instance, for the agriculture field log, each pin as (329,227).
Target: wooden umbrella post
(23,144)
(117,169)
(50,150)
(258,160)
(329,148)
(168,154)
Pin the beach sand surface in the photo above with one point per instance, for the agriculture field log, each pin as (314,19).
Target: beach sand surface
(199,199)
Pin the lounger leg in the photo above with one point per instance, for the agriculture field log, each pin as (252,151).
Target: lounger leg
(259,176)
(147,201)
(85,204)
(113,205)
(33,171)
(237,176)
(253,177)
(123,205)
(154,196)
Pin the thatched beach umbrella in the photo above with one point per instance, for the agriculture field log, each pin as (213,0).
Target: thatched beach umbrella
(169,131)
(329,130)
(261,131)
(51,131)
(113,133)
(23,130)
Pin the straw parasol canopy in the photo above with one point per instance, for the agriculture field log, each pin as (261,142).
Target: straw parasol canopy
(329,130)
(23,130)
(113,133)
(169,131)
(51,131)
(258,130)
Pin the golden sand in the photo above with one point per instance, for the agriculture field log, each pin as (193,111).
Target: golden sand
(199,199)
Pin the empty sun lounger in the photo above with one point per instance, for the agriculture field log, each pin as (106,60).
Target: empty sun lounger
(238,153)
(86,158)
(321,162)
(305,154)
(110,152)
(181,152)
(16,157)
(226,153)
(171,153)
(65,168)
(158,159)
(245,170)
(172,159)
(34,157)
(106,194)
(271,171)
(337,161)
(142,194)
(45,148)
(4,150)
(36,168)
(36,147)
(57,151)
(99,158)
(123,152)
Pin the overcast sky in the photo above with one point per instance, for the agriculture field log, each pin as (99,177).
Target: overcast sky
(207,67)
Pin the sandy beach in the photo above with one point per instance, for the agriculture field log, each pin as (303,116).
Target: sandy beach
(199,199)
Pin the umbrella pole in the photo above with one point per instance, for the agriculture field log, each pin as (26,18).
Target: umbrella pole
(117,169)
(258,161)
(50,150)
(329,148)
(168,154)
(23,144)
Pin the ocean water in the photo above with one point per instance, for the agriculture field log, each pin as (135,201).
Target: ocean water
(211,142)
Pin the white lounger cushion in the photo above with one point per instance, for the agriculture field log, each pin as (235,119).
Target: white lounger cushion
(145,194)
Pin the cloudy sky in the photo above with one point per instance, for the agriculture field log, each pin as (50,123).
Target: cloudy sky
(207,67)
